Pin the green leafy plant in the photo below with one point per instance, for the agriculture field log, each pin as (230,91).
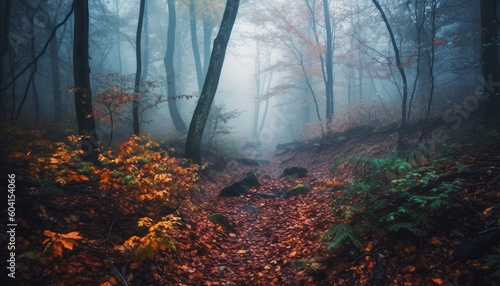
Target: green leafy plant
(391,194)
(342,234)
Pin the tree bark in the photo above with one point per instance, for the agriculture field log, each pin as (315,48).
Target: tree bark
(194,44)
(5,7)
(208,27)
(328,63)
(81,71)
(200,116)
(170,71)
(56,75)
(490,58)
(137,86)
(401,143)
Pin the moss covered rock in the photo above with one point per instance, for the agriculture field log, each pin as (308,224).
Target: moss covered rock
(221,219)
(297,190)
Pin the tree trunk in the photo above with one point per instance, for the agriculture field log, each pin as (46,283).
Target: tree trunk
(328,63)
(208,27)
(56,75)
(194,45)
(170,71)
(145,35)
(4,42)
(401,143)
(257,75)
(137,86)
(200,116)
(81,71)
(118,37)
(490,58)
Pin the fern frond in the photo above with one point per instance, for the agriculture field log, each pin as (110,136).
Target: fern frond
(341,234)
(408,226)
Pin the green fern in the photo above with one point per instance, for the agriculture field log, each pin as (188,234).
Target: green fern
(383,195)
(408,226)
(341,234)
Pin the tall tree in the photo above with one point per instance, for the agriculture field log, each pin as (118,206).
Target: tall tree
(56,74)
(328,62)
(490,56)
(81,71)
(208,27)
(5,7)
(194,44)
(168,60)
(200,115)
(401,143)
(137,85)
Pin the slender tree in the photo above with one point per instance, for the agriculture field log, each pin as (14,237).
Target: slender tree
(137,86)
(490,57)
(200,115)
(56,74)
(168,60)
(5,7)
(401,144)
(194,44)
(328,62)
(81,71)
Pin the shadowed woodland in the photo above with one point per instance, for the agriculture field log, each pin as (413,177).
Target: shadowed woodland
(252,142)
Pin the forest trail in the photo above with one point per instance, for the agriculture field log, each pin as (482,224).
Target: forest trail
(271,235)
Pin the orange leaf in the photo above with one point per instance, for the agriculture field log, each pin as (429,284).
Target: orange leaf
(292,254)
(67,243)
(438,281)
(57,249)
(435,241)
(438,41)
(49,233)
(241,251)
(72,235)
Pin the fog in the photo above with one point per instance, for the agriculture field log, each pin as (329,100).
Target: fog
(277,57)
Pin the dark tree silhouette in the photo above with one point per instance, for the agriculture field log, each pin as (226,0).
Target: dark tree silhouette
(200,115)
(328,63)
(194,44)
(170,71)
(401,143)
(137,86)
(490,57)
(81,71)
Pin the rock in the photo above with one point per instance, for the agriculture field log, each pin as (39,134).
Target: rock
(298,172)
(297,190)
(242,186)
(222,220)
(265,195)
(250,208)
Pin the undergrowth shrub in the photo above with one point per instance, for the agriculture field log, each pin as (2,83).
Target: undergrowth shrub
(396,194)
(139,179)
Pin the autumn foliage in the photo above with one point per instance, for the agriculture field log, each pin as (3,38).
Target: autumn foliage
(140,177)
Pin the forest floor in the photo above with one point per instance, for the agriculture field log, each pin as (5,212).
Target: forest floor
(275,241)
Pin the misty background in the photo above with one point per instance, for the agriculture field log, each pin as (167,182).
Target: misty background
(272,86)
